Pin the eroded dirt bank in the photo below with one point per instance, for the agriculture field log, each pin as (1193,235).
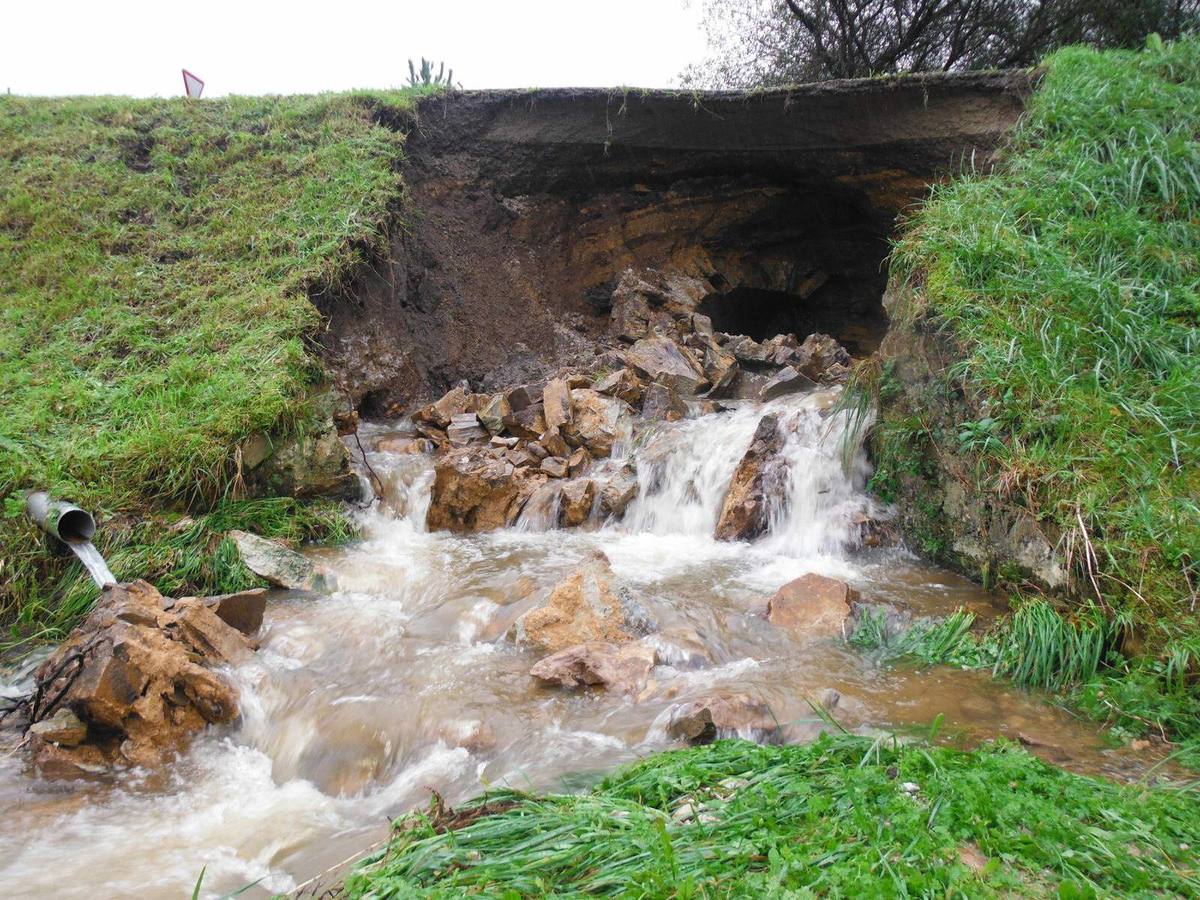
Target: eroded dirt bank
(526,207)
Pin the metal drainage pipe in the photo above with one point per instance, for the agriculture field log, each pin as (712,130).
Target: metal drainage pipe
(60,519)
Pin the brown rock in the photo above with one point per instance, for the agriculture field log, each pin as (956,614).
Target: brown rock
(579,461)
(598,421)
(576,501)
(622,668)
(660,359)
(618,492)
(440,413)
(812,604)
(521,397)
(400,444)
(243,610)
(472,735)
(504,442)
(556,401)
(465,428)
(822,359)
(493,412)
(758,477)
(554,466)
(623,384)
(585,606)
(554,443)
(787,380)
(473,494)
(661,402)
(135,669)
(720,716)
(64,727)
(528,422)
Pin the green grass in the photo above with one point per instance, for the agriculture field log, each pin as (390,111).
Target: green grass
(835,818)
(1069,281)
(155,263)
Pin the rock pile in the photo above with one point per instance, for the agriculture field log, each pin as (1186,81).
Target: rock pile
(136,679)
(498,451)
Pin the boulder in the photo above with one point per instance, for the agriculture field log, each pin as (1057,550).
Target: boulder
(585,606)
(576,501)
(598,421)
(306,465)
(493,412)
(521,397)
(618,492)
(243,610)
(622,668)
(660,359)
(556,403)
(662,403)
(722,716)
(554,466)
(822,359)
(554,443)
(788,380)
(747,350)
(473,493)
(528,422)
(465,428)
(277,564)
(813,605)
(452,403)
(758,477)
(135,676)
(623,384)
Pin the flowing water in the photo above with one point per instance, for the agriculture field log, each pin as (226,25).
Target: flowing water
(96,567)
(399,681)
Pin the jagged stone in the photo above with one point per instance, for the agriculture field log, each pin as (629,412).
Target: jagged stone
(822,359)
(527,422)
(660,359)
(135,670)
(576,501)
(813,605)
(554,466)
(473,494)
(493,413)
(556,402)
(597,423)
(621,668)
(277,564)
(465,428)
(720,716)
(451,403)
(618,492)
(579,462)
(554,442)
(585,606)
(623,384)
(787,380)
(758,476)
(243,610)
(662,403)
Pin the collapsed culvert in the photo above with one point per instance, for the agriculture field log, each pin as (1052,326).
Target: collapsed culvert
(527,208)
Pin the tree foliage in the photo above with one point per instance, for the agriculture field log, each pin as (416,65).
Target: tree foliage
(770,42)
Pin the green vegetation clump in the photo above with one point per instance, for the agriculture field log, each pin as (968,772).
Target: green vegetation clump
(845,816)
(156,259)
(1068,282)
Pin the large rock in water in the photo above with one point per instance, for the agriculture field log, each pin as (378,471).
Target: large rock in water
(597,423)
(585,606)
(621,668)
(813,605)
(277,564)
(477,493)
(722,716)
(132,683)
(759,476)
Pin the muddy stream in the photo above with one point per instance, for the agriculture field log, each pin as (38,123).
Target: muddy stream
(400,680)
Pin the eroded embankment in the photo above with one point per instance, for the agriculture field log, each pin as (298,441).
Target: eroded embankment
(527,207)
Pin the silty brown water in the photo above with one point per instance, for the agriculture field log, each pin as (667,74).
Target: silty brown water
(399,681)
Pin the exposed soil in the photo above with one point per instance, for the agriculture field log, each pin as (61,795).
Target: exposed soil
(525,208)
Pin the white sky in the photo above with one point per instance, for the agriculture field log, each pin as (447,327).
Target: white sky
(250,47)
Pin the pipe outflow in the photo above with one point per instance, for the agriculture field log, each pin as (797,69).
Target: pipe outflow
(60,519)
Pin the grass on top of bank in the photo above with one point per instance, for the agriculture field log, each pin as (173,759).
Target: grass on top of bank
(155,263)
(1070,280)
(845,816)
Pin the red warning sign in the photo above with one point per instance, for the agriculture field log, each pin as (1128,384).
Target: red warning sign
(192,86)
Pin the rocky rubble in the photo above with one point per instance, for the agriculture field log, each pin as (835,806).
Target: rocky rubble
(137,679)
(497,452)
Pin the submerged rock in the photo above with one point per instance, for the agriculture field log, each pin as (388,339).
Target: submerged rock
(585,606)
(133,682)
(722,716)
(277,564)
(757,478)
(813,605)
(622,668)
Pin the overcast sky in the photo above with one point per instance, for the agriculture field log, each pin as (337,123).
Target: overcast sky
(252,47)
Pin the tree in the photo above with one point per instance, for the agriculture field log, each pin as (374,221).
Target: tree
(765,42)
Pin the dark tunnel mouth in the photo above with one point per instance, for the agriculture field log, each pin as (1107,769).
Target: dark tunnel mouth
(859,324)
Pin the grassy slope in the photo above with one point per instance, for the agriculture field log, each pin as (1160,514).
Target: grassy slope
(833,818)
(1071,281)
(154,261)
